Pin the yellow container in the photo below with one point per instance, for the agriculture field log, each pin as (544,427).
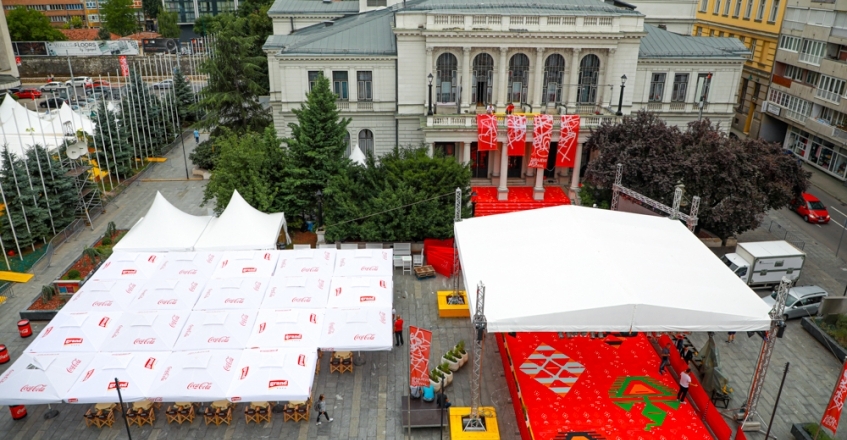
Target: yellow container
(452,310)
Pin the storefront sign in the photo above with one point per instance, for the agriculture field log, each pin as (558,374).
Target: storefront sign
(160,45)
(92,48)
(770,108)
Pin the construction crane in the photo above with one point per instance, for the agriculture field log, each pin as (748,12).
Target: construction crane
(475,421)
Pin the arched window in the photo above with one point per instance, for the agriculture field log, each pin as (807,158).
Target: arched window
(554,73)
(445,83)
(366,141)
(589,69)
(518,77)
(483,81)
(348,150)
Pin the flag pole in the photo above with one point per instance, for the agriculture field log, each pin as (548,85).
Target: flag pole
(123,410)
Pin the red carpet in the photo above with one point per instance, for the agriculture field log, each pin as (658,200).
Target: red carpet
(520,199)
(593,389)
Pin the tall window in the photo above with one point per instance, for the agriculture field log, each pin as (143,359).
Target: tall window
(365,86)
(774,11)
(742,92)
(657,87)
(753,48)
(704,83)
(445,86)
(761,11)
(726,7)
(313,78)
(483,79)
(554,71)
(366,141)
(518,77)
(749,9)
(339,85)
(680,87)
(737,8)
(347,148)
(717,7)
(788,42)
(699,31)
(703,4)
(812,51)
(589,69)
(830,88)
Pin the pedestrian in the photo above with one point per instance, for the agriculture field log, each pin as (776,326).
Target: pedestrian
(687,354)
(321,408)
(489,109)
(196,136)
(684,383)
(680,342)
(443,401)
(510,108)
(666,358)
(730,336)
(398,331)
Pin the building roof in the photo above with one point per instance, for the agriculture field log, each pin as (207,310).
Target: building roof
(295,7)
(659,43)
(368,33)
(84,34)
(522,7)
(138,36)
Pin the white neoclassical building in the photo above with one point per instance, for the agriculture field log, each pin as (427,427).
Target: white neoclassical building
(418,72)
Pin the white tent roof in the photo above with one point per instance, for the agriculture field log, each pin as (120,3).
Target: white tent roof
(21,128)
(305,262)
(296,292)
(247,264)
(167,294)
(75,332)
(357,156)
(104,296)
(287,328)
(129,266)
(197,266)
(196,376)
(148,330)
(135,372)
(365,329)
(584,269)
(216,329)
(353,292)
(364,263)
(39,378)
(274,375)
(163,228)
(241,227)
(232,293)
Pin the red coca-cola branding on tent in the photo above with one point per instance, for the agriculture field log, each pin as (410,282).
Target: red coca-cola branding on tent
(365,337)
(331,328)
(131,287)
(568,136)
(88,374)
(228,363)
(117,331)
(74,363)
(187,272)
(174,321)
(243,320)
(337,291)
(47,331)
(151,259)
(188,331)
(313,318)
(302,299)
(382,317)
(262,327)
(542,132)
(277,383)
(486,132)
(40,388)
(234,301)
(166,374)
(199,386)
(193,286)
(367,298)
(150,363)
(218,340)
(104,322)
(383,284)
(107,303)
(165,302)
(370,268)
(244,372)
(248,270)
(224,263)
(73,341)
(320,284)
(301,360)
(267,256)
(145,341)
(112,385)
(73,400)
(293,336)
(310,269)
(128,272)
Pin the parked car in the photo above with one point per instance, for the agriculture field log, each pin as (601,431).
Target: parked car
(810,208)
(52,103)
(53,86)
(800,302)
(28,94)
(78,81)
(166,84)
(99,90)
(98,83)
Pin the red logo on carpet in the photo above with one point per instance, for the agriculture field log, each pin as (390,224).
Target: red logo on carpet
(553,369)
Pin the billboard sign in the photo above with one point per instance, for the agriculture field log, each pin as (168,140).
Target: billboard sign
(92,48)
(160,45)
(30,48)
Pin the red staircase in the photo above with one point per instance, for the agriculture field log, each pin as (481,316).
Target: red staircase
(520,199)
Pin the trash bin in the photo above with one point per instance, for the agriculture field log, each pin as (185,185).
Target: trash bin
(4,354)
(310,226)
(18,412)
(24,328)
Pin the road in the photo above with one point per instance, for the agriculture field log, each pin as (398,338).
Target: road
(827,234)
(80,93)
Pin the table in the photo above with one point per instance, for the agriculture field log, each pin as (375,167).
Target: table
(221,404)
(104,406)
(182,404)
(260,404)
(142,404)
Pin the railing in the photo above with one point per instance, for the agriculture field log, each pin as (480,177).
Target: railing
(469,121)
(677,106)
(827,95)
(654,106)
(810,59)
(343,105)
(364,105)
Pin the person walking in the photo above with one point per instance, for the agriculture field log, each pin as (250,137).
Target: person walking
(684,383)
(687,354)
(196,136)
(666,358)
(321,407)
(730,336)
(398,331)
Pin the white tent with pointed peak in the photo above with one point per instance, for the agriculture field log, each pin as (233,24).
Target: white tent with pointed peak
(39,378)
(242,227)
(358,157)
(21,128)
(164,228)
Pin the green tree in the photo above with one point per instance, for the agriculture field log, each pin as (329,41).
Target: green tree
(168,27)
(103,34)
(151,8)
(315,148)
(736,180)
(251,163)
(111,142)
(61,189)
(204,24)
(21,204)
(144,110)
(184,97)
(119,17)
(31,25)
(75,23)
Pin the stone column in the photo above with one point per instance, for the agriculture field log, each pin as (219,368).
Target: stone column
(501,79)
(426,73)
(503,189)
(573,79)
(466,78)
(537,87)
(466,153)
(538,190)
(606,81)
(575,172)
(352,86)
(495,160)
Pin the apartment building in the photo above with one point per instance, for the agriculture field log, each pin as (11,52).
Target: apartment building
(189,10)
(61,11)
(756,23)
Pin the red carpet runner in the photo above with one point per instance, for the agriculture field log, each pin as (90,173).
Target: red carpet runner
(520,199)
(595,389)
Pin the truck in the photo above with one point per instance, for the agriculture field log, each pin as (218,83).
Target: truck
(762,264)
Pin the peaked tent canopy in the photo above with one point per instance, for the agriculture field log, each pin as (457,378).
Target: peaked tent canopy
(358,157)
(165,228)
(584,269)
(242,227)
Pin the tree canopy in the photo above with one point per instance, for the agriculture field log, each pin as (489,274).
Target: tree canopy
(151,8)
(75,23)
(119,17)
(737,180)
(168,27)
(104,34)
(31,25)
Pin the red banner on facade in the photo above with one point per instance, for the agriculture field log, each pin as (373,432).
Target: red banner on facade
(486,126)
(420,341)
(516,133)
(566,155)
(124,66)
(542,131)
(833,410)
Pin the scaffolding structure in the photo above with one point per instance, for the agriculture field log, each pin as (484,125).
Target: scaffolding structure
(673,212)
(89,203)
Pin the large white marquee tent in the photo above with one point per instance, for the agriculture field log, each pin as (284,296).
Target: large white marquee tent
(242,227)
(21,128)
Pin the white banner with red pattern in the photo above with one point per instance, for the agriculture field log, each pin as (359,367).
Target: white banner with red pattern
(486,132)
(516,132)
(566,155)
(542,131)
(420,341)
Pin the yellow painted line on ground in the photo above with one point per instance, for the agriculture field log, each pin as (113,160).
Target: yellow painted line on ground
(157,159)
(172,180)
(15,277)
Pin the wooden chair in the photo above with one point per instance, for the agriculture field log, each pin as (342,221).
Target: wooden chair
(264,414)
(223,415)
(90,417)
(209,415)
(171,415)
(105,418)
(146,416)
(302,412)
(250,415)
(289,413)
(257,412)
(347,364)
(185,414)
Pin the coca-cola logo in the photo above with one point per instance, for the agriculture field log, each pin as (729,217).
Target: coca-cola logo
(277,383)
(166,374)
(145,341)
(370,268)
(210,258)
(112,386)
(366,337)
(301,299)
(107,303)
(262,327)
(327,255)
(234,301)
(224,263)
(310,269)
(293,336)
(6,376)
(166,302)
(243,320)
(272,292)
(320,284)
(174,321)
(367,298)
(301,360)
(248,269)
(151,259)
(74,363)
(337,291)
(244,372)
(382,284)
(47,331)
(199,386)
(228,363)
(382,317)
(73,341)
(88,375)
(40,388)
(188,331)
(188,272)
(218,340)
(106,266)
(313,318)
(131,287)
(193,286)
(267,256)
(343,262)
(331,329)
(150,363)
(104,322)
(128,272)
(282,264)
(117,331)
(257,285)
(142,294)
(208,293)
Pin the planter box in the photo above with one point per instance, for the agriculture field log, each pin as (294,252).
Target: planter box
(799,433)
(827,341)
(40,315)
(452,310)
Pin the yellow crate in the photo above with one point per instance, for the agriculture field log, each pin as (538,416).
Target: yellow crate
(492,431)
(452,310)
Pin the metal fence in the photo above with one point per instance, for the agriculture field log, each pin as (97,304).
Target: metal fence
(782,233)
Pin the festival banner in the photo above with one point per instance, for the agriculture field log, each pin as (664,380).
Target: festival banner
(420,341)
(833,410)
(124,66)
(568,136)
(487,132)
(516,133)
(542,131)
(92,48)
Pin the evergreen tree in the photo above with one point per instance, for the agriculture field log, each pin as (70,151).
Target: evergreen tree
(21,205)
(111,141)
(140,106)
(61,189)
(184,97)
(316,148)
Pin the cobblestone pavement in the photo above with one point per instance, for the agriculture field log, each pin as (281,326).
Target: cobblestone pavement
(365,404)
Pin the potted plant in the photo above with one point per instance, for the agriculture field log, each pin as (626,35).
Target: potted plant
(460,349)
(450,360)
(448,375)
(435,379)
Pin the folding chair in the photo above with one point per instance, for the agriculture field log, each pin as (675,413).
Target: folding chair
(90,418)
(209,415)
(289,413)
(327,246)
(418,259)
(401,250)
(171,415)
(302,246)
(373,245)
(349,245)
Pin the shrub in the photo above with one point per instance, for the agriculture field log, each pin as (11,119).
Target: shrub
(812,429)
(106,241)
(449,356)
(445,368)
(47,293)
(842,321)
(831,320)
(74,274)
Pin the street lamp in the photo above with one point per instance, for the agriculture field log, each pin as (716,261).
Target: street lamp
(620,98)
(319,195)
(429,110)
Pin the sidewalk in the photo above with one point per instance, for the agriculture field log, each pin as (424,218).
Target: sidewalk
(827,183)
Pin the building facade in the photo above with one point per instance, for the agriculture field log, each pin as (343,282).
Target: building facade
(804,103)
(189,10)
(419,73)
(677,16)
(755,23)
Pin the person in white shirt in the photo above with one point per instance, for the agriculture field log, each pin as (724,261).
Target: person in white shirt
(684,383)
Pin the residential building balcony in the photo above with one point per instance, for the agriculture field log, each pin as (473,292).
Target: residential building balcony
(822,126)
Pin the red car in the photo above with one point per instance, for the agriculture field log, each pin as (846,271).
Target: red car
(810,208)
(94,84)
(28,94)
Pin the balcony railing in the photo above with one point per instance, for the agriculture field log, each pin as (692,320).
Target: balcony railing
(469,121)
(827,95)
